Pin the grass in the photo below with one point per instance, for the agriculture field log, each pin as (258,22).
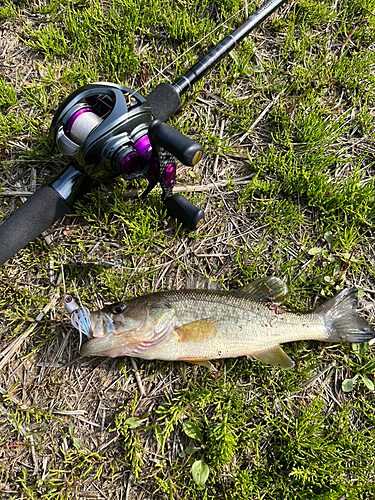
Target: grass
(305,212)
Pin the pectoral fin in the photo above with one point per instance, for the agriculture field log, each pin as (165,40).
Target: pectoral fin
(275,357)
(197,331)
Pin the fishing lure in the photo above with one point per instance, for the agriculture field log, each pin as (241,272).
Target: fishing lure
(79,315)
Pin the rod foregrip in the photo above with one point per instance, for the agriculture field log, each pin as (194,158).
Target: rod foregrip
(37,214)
(165,101)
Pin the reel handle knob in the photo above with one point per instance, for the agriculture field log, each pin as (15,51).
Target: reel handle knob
(181,208)
(184,149)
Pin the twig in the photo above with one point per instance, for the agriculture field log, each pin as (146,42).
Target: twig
(16,193)
(15,345)
(103,420)
(299,99)
(260,117)
(70,413)
(212,254)
(108,443)
(199,188)
(134,193)
(33,454)
(362,21)
(137,376)
(316,377)
(220,137)
(87,421)
(130,482)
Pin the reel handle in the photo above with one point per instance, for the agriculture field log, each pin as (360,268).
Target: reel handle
(177,206)
(184,149)
(183,210)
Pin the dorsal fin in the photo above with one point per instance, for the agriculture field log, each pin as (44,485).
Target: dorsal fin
(268,289)
(202,283)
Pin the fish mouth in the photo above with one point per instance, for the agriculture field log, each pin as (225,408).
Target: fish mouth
(113,345)
(139,343)
(101,346)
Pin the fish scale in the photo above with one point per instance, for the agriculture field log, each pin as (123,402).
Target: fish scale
(256,326)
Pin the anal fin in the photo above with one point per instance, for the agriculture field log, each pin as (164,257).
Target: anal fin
(201,362)
(275,357)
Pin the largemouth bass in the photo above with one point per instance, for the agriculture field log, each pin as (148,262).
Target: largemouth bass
(198,325)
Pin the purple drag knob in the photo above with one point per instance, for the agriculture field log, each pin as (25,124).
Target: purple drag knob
(143,147)
(169,175)
(130,162)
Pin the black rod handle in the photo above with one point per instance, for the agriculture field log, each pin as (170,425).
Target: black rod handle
(189,152)
(46,206)
(37,214)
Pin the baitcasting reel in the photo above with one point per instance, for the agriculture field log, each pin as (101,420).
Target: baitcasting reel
(109,130)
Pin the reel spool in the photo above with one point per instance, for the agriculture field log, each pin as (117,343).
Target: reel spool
(104,127)
(81,124)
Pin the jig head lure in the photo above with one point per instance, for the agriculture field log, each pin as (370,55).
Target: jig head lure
(79,315)
(109,130)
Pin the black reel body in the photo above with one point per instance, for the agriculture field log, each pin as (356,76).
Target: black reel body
(104,127)
(109,131)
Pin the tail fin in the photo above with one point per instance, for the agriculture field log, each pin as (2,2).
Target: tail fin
(342,320)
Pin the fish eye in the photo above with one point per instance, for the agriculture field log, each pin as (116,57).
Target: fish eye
(118,308)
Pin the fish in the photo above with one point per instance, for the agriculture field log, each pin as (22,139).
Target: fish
(200,324)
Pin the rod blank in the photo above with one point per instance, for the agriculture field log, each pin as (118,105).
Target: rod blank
(225,46)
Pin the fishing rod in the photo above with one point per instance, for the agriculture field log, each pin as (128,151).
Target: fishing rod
(109,130)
